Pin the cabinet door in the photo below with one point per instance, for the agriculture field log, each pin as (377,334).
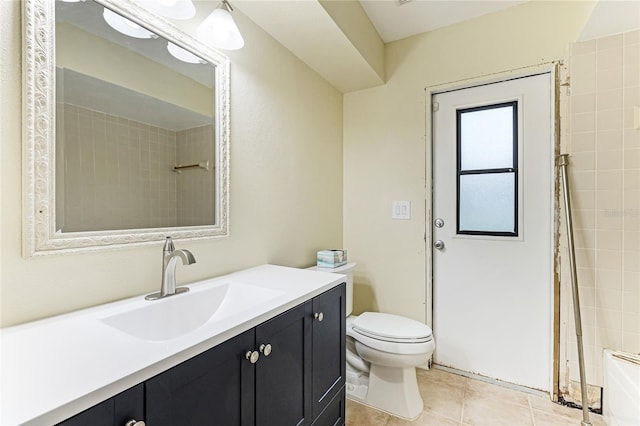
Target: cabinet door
(213,388)
(283,377)
(329,346)
(116,411)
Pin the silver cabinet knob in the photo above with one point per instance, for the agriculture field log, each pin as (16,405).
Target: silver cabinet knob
(319,316)
(133,422)
(252,356)
(266,349)
(439,244)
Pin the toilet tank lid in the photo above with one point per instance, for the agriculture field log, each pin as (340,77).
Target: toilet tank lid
(390,326)
(338,270)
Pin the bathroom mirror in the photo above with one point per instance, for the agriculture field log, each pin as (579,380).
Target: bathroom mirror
(126,136)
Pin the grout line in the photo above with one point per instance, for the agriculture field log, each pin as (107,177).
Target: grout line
(533,418)
(464,399)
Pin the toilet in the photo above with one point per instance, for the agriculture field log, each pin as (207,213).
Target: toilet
(383,351)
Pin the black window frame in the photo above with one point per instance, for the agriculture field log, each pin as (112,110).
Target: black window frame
(513,169)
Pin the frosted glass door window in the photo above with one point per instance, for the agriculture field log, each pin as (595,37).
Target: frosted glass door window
(487,170)
(487,137)
(486,202)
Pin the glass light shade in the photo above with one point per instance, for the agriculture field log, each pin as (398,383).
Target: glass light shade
(174,9)
(183,54)
(220,30)
(125,26)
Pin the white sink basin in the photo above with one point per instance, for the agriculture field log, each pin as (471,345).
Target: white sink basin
(175,316)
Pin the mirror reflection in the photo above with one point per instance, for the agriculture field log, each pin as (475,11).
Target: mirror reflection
(135,116)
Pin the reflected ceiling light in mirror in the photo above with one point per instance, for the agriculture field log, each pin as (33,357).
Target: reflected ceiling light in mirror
(183,54)
(174,9)
(125,26)
(220,30)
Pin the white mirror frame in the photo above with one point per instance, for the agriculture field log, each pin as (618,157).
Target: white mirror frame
(39,100)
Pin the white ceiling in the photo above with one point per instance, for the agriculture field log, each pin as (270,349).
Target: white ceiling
(395,21)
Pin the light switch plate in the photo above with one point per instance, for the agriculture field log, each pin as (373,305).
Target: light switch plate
(401,210)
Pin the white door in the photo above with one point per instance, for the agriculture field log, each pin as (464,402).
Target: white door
(492,230)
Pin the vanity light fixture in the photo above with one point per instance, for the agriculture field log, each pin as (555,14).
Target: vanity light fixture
(183,54)
(125,26)
(174,9)
(220,30)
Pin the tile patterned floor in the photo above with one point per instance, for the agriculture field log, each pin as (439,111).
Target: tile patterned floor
(452,400)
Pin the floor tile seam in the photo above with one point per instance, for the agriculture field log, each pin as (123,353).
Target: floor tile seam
(464,400)
(482,396)
(438,413)
(533,417)
(554,414)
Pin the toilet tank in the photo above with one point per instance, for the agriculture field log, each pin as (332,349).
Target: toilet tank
(348,271)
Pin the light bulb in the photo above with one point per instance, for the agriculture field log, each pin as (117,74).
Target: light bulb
(184,55)
(126,26)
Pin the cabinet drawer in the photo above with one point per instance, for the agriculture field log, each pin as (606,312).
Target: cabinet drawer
(116,411)
(334,413)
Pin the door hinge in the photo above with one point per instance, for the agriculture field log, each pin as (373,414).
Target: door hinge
(435,106)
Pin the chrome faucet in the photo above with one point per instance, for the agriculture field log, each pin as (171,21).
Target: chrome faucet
(170,258)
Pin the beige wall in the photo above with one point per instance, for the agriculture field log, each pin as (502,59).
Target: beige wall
(605,175)
(286,186)
(385,154)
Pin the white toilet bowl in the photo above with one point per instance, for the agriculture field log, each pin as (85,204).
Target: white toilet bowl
(383,351)
(382,371)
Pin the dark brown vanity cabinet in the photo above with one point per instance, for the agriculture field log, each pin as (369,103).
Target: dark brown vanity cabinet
(289,370)
(122,409)
(213,388)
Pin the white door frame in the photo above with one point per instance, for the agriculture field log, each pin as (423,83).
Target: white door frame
(554,298)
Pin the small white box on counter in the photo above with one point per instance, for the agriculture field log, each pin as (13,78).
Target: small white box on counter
(332,258)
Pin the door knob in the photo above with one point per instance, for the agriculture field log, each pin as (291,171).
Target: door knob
(319,316)
(252,356)
(133,422)
(266,349)
(439,244)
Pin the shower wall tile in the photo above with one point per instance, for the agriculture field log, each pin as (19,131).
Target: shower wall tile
(609,42)
(605,157)
(631,342)
(583,103)
(116,172)
(631,75)
(584,81)
(581,142)
(609,99)
(586,277)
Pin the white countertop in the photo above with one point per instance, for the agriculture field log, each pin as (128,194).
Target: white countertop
(55,368)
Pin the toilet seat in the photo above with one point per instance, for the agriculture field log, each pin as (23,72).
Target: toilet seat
(391,333)
(391,328)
